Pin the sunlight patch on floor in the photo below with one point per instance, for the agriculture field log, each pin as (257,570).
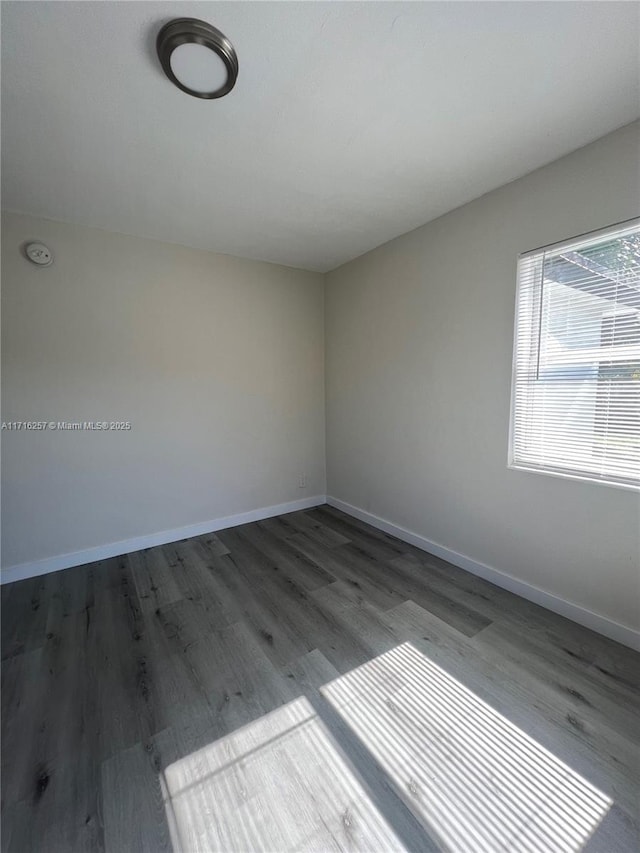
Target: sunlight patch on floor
(278,784)
(472,778)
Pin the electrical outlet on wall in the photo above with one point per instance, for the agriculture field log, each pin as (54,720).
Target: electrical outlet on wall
(302,482)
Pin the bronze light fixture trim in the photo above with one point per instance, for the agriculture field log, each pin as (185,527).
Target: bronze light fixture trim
(192,31)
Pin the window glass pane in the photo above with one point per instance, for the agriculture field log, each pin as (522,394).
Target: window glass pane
(576,400)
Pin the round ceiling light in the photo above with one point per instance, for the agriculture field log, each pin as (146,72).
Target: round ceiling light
(197,58)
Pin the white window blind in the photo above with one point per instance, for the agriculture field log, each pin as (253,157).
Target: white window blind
(576,369)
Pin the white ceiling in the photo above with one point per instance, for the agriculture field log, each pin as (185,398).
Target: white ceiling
(350,123)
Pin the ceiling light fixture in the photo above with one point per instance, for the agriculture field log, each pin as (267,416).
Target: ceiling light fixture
(197,58)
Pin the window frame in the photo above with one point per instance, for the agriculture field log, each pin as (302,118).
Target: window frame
(576,242)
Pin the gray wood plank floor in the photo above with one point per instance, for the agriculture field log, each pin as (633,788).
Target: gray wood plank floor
(308,683)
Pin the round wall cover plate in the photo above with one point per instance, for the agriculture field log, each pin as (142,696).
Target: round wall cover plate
(39,254)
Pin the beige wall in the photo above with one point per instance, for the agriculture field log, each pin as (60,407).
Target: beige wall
(419,346)
(217,362)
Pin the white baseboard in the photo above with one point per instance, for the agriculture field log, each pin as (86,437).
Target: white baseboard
(126,546)
(614,630)
(621,633)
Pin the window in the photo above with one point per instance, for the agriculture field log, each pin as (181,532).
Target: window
(575,408)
